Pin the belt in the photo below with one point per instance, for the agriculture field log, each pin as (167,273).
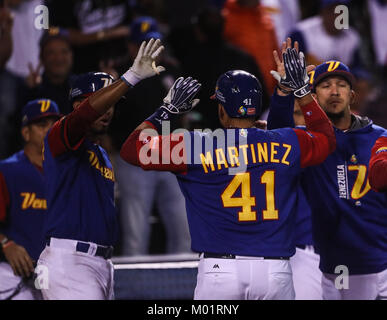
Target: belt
(233,256)
(101,251)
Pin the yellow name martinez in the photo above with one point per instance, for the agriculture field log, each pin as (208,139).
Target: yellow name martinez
(260,153)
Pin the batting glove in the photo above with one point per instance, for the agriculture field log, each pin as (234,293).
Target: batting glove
(296,78)
(179,100)
(144,65)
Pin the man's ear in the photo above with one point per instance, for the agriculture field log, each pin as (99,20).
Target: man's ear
(352,96)
(221,112)
(25,132)
(314,95)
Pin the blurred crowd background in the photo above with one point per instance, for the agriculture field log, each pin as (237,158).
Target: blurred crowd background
(203,38)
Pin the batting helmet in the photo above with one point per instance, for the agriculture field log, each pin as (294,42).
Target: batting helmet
(328,69)
(240,93)
(86,84)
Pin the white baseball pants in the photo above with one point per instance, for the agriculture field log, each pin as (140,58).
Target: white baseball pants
(244,278)
(72,275)
(306,274)
(360,287)
(12,287)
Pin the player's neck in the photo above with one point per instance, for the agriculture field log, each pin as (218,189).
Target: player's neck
(343,123)
(34,155)
(239,123)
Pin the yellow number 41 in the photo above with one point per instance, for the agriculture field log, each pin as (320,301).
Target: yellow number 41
(246,201)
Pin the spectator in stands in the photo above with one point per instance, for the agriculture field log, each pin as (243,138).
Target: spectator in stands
(96,28)
(10,84)
(25,35)
(285,14)
(249,27)
(378,19)
(141,191)
(320,40)
(57,59)
(207,55)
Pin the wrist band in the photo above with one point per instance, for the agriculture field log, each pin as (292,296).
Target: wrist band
(283,90)
(302,92)
(8,243)
(160,115)
(130,78)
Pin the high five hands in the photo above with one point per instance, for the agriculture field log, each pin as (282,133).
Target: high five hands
(292,72)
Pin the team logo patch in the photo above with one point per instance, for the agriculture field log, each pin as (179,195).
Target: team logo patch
(353,159)
(242,110)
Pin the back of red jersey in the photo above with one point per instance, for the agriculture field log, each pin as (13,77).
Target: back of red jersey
(240,194)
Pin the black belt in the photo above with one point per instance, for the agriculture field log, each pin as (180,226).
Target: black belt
(104,252)
(232,256)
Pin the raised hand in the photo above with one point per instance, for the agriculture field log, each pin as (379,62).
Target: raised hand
(34,78)
(144,65)
(280,73)
(180,96)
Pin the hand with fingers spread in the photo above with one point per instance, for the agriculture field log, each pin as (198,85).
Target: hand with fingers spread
(180,97)
(19,259)
(143,66)
(179,100)
(280,74)
(34,78)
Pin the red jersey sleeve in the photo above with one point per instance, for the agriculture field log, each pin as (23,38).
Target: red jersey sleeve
(68,133)
(4,198)
(319,140)
(378,165)
(150,151)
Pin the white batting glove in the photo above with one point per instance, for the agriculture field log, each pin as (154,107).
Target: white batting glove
(144,65)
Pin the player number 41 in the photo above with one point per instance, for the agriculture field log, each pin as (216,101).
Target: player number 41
(246,201)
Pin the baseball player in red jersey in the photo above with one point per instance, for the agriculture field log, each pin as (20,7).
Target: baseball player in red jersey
(81,225)
(238,182)
(378,164)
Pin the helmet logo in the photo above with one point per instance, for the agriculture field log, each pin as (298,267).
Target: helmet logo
(242,110)
(106,81)
(235,89)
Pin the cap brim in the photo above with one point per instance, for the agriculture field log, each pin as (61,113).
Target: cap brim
(342,73)
(46,115)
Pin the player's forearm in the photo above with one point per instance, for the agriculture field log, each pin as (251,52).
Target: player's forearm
(281,111)
(378,175)
(378,165)
(128,150)
(316,120)
(102,100)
